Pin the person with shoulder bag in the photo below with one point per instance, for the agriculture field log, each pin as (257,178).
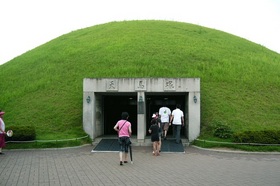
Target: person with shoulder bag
(123,127)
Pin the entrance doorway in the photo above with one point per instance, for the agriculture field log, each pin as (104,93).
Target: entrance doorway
(104,99)
(114,105)
(154,102)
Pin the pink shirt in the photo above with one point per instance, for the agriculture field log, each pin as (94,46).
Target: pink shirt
(125,129)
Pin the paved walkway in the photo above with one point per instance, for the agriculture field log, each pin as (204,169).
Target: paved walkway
(80,166)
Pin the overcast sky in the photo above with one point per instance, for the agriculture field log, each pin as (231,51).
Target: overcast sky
(26,24)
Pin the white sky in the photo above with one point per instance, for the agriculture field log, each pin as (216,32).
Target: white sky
(26,24)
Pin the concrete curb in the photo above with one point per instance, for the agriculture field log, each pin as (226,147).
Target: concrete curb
(42,149)
(235,151)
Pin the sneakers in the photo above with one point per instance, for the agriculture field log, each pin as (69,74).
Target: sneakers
(122,163)
(156,153)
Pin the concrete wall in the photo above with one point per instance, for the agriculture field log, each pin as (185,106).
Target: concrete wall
(193,116)
(95,88)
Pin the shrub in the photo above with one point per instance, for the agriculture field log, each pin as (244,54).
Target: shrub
(262,137)
(221,130)
(22,133)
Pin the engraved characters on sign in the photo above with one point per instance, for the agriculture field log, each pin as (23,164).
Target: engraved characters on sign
(169,85)
(140,84)
(112,85)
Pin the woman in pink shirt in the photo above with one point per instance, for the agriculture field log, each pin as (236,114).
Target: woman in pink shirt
(123,127)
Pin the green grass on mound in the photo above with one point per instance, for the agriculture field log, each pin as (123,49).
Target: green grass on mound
(240,80)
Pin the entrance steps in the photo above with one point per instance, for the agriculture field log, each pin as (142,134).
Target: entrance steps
(135,142)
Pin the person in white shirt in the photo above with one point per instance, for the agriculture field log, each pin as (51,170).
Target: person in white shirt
(164,114)
(177,119)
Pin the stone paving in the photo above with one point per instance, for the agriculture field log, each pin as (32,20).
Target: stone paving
(79,166)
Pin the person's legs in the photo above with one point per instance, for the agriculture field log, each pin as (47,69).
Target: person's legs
(122,149)
(125,153)
(174,130)
(2,142)
(154,148)
(121,156)
(125,157)
(162,129)
(178,130)
(166,126)
(158,149)
(1,153)
(159,144)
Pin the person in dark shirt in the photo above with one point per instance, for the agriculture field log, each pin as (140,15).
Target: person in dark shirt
(154,131)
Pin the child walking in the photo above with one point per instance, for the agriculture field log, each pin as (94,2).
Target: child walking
(154,131)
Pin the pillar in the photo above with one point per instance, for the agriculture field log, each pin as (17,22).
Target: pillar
(194,115)
(141,112)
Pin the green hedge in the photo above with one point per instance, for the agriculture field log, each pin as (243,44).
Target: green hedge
(22,133)
(220,129)
(262,137)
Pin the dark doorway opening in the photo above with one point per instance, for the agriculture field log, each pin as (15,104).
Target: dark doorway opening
(114,105)
(154,102)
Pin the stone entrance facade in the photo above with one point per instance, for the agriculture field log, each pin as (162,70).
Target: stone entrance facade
(95,89)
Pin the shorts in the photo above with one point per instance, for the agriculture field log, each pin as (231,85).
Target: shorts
(154,138)
(124,143)
(165,126)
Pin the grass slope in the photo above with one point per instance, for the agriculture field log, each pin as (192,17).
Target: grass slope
(240,80)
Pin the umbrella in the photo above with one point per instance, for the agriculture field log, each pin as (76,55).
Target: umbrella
(130,151)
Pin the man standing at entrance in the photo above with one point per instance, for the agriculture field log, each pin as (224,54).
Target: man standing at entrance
(177,119)
(164,114)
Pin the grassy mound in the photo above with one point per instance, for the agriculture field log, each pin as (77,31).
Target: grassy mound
(240,80)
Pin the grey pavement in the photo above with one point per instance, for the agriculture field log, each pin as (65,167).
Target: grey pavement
(79,166)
